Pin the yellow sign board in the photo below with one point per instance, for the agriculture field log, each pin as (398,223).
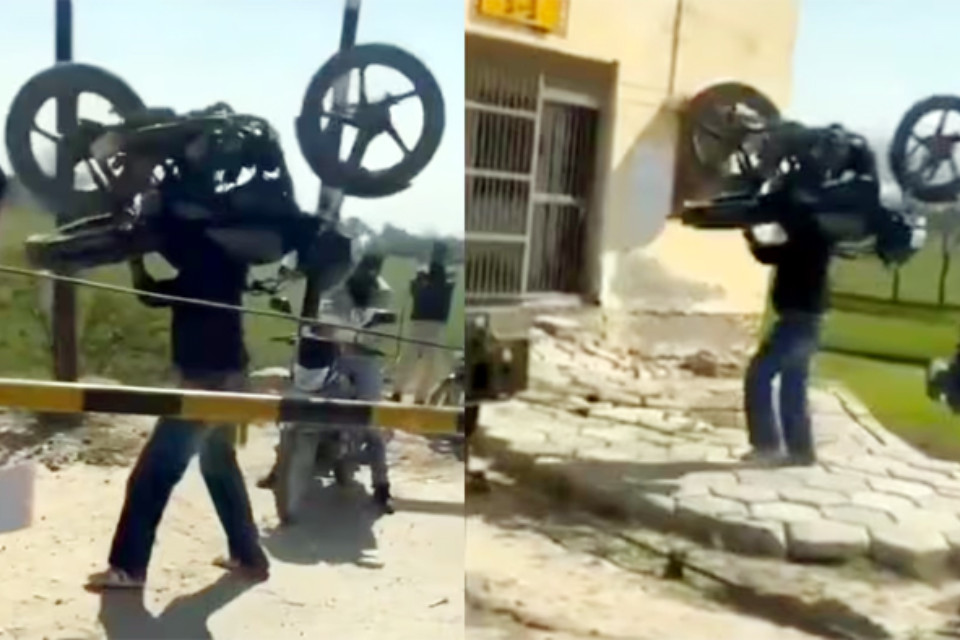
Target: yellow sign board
(543,15)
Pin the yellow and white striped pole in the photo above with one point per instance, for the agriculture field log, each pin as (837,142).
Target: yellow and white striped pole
(219,406)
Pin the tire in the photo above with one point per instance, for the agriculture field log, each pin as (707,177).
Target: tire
(939,193)
(324,159)
(27,103)
(294,474)
(707,148)
(343,473)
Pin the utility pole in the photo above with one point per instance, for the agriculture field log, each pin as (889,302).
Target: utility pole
(332,199)
(64,320)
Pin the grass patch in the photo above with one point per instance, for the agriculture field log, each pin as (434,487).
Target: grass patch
(890,336)
(919,278)
(894,393)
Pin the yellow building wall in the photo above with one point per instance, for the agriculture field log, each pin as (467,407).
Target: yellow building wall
(641,259)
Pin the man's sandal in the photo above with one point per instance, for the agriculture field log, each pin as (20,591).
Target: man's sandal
(258,574)
(113,579)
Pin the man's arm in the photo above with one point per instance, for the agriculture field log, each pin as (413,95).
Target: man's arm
(143,281)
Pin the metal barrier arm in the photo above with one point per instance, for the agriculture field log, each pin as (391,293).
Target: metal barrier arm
(216,406)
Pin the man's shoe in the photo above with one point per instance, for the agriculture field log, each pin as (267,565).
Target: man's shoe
(763,456)
(396,397)
(382,498)
(801,459)
(114,579)
(254,572)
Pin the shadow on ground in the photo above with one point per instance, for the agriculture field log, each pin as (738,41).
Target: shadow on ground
(524,509)
(124,615)
(335,526)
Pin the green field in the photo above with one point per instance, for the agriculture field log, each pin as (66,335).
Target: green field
(878,348)
(124,340)
(895,394)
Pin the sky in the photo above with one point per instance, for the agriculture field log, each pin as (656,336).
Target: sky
(858,62)
(258,56)
(863,63)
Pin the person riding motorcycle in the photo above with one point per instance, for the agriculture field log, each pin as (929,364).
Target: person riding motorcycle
(321,363)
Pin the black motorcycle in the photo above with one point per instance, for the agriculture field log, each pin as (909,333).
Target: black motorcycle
(827,175)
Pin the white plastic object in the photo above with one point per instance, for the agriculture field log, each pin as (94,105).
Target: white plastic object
(16,497)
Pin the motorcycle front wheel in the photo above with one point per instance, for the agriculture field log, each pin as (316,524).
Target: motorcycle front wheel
(295,460)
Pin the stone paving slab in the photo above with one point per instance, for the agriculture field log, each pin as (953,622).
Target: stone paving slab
(903,514)
(659,462)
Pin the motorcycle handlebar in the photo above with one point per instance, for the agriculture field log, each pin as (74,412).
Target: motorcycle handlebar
(724,213)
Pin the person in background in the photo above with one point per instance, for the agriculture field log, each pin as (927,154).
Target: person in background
(360,361)
(800,299)
(431,293)
(208,353)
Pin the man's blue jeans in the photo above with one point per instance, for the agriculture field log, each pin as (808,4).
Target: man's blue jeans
(786,352)
(367,376)
(160,467)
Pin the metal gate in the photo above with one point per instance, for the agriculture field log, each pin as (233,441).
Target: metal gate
(530,157)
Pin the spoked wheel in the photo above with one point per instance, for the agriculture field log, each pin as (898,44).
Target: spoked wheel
(370,120)
(295,459)
(725,132)
(74,85)
(923,154)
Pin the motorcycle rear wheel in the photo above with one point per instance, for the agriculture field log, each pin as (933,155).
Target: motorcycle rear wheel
(344,473)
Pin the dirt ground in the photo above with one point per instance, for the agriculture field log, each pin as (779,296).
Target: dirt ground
(524,585)
(341,570)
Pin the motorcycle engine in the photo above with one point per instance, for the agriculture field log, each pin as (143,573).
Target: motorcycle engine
(228,181)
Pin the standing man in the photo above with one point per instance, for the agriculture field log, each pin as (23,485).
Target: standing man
(431,293)
(208,353)
(800,299)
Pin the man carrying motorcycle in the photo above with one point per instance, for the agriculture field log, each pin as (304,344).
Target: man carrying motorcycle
(799,300)
(845,181)
(208,353)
